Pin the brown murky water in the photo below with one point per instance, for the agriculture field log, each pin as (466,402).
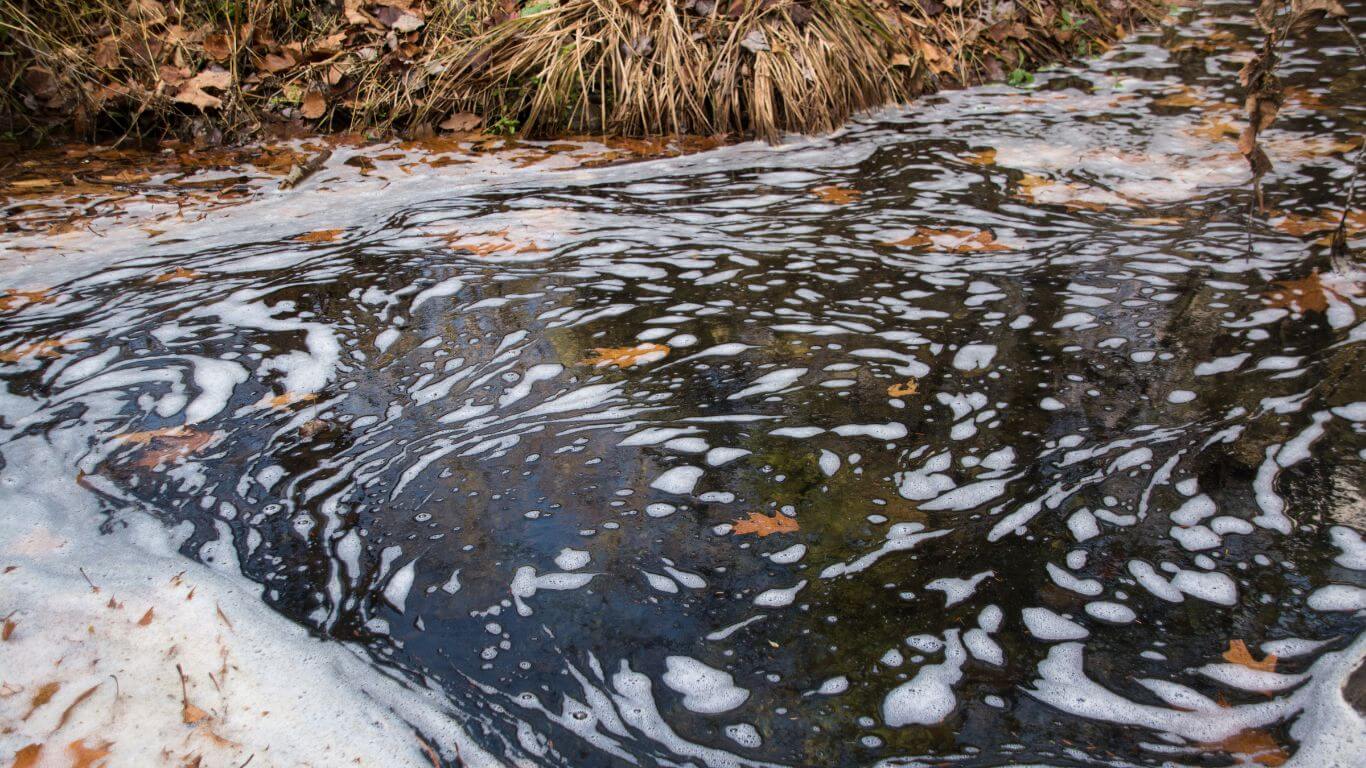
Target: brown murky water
(981,434)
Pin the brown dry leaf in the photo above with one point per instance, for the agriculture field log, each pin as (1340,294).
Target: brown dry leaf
(1033,187)
(906,389)
(837,194)
(938,61)
(953,239)
(217,47)
(1215,129)
(626,357)
(42,697)
(27,757)
(320,236)
(83,756)
(179,273)
(314,106)
(764,525)
(287,399)
(47,348)
(1310,294)
(275,63)
(1238,653)
(188,712)
(19,299)
(982,157)
(192,90)
(461,122)
(7,630)
(146,618)
(166,445)
(1256,746)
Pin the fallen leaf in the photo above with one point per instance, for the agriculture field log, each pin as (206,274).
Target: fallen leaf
(47,348)
(314,106)
(88,757)
(179,273)
(626,357)
(27,757)
(192,91)
(461,122)
(764,525)
(1256,746)
(217,47)
(287,399)
(320,236)
(7,630)
(953,239)
(146,618)
(166,445)
(20,299)
(836,194)
(1312,293)
(983,157)
(188,712)
(42,697)
(910,387)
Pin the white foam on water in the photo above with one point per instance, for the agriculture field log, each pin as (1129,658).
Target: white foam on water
(927,698)
(113,653)
(679,480)
(957,590)
(706,690)
(1049,626)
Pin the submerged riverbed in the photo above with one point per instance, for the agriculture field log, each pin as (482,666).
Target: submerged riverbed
(1000,430)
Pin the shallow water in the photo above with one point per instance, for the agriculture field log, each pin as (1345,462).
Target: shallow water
(1038,420)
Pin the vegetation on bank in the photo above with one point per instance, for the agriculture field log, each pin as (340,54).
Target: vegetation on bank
(218,70)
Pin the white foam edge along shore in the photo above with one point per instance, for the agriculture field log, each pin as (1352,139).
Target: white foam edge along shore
(103,630)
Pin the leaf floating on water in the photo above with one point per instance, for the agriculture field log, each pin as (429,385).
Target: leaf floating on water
(47,348)
(1312,293)
(984,157)
(837,194)
(166,445)
(1256,747)
(320,236)
(188,712)
(763,525)
(1238,653)
(7,629)
(10,300)
(146,618)
(953,239)
(27,757)
(287,399)
(179,273)
(905,389)
(83,756)
(42,697)
(626,357)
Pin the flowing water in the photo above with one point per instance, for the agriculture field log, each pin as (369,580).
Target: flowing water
(978,434)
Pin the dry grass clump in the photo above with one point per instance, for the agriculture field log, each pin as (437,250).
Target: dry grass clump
(229,69)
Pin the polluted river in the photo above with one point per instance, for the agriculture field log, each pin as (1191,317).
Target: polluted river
(1002,429)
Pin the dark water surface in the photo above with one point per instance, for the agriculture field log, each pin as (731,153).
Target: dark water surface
(1135,432)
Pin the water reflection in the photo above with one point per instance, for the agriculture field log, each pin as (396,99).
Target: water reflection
(982,433)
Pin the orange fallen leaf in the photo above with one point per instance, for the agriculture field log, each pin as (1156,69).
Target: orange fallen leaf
(19,299)
(7,630)
(626,357)
(764,525)
(314,105)
(320,236)
(179,273)
(1310,294)
(27,757)
(287,399)
(952,239)
(83,756)
(166,445)
(188,712)
(1254,745)
(146,618)
(984,157)
(1238,653)
(42,697)
(910,387)
(837,194)
(47,348)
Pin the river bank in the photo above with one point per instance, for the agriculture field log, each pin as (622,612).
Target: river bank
(209,72)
